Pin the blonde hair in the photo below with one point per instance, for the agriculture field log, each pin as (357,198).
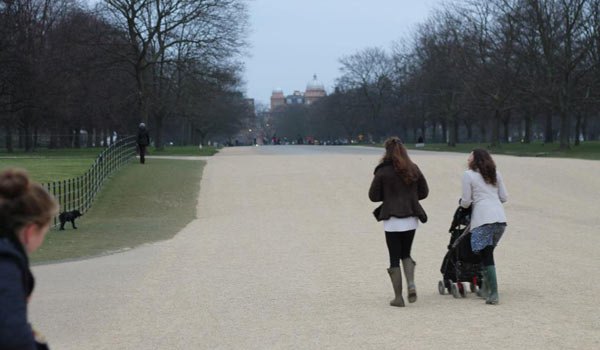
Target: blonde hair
(22,202)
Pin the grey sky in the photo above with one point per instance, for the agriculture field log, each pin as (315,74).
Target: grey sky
(293,39)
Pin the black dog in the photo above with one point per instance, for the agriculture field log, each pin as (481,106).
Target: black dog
(68,216)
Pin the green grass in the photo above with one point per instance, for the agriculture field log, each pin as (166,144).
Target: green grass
(91,152)
(47,165)
(183,151)
(586,150)
(51,165)
(139,204)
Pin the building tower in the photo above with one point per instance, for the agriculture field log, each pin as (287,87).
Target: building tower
(314,91)
(277,99)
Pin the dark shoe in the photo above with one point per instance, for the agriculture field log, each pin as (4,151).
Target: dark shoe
(396,277)
(409,270)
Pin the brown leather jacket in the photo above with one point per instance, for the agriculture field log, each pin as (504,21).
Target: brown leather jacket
(399,199)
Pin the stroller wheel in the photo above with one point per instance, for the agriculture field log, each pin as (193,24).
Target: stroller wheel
(455,292)
(441,287)
(462,288)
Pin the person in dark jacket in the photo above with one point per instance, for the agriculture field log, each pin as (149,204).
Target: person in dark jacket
(26,210)
(400,185)
(143,140)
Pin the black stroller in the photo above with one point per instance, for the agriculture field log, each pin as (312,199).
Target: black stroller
(461,268)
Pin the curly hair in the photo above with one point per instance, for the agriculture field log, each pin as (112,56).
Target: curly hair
(484,164)
(395,152)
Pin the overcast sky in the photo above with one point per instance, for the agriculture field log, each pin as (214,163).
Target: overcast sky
(293,39)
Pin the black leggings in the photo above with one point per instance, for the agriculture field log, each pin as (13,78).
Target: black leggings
(399,245)
(487,256)
(142,154)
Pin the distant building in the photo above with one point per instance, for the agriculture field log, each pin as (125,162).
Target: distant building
(314,91)
(277,99)
(297,98)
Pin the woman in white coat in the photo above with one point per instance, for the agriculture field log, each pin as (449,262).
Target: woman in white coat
(483,188)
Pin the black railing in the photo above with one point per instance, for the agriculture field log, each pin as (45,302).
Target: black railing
(78,193)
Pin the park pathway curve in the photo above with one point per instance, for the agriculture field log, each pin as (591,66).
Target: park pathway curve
(285,254)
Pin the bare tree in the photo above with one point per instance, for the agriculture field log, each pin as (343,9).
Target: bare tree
(209,30)
(369,71)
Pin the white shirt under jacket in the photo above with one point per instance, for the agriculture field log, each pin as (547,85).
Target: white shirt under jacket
(487,199)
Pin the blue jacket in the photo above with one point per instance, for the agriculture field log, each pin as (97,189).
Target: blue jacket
(16,284)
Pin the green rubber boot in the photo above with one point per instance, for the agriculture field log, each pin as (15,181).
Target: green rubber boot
(490,272)
(484,291)
(396,277)
(409,270)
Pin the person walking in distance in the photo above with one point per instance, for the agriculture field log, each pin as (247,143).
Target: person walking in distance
(143,140)
(483,188)
(400,185)
(26,210)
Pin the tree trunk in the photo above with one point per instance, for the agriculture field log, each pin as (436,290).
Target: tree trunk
(482,131)
(109,139)
(584,128)
(53,140)
(548,134)
(35,137)
(21,140)
(102,138)
(434,131)
(444,131)
(158,131)
(469,127)
(89,141)
(495,141)
(202,136)
(27,135)
(97,138)
(565,129)
(9,136)
(578,128)
(452,137)
(190,133)
(76,138)
(528,127)
(506,125)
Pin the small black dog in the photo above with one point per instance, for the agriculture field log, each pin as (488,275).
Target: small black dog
(69,216)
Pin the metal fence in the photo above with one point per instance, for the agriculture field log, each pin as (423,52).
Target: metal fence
(78,193)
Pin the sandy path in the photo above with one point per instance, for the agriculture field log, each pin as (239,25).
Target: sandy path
(285,254)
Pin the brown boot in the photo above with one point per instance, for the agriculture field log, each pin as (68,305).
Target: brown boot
(396,277)
(409,270)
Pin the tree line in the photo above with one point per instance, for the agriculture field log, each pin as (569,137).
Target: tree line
(489,71)
(73,76)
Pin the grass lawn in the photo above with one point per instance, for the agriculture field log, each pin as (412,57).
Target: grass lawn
(183,151)
(51,165)
(48,165)
(49,169)
(586,150)
(84,152)
(139,204)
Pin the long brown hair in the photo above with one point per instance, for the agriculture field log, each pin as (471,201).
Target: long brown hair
(23,202)
(395,152)
(484,164)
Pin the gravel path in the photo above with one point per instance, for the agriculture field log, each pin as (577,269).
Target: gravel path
(285,254)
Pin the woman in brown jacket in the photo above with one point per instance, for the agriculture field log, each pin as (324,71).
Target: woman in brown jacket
(399,184)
